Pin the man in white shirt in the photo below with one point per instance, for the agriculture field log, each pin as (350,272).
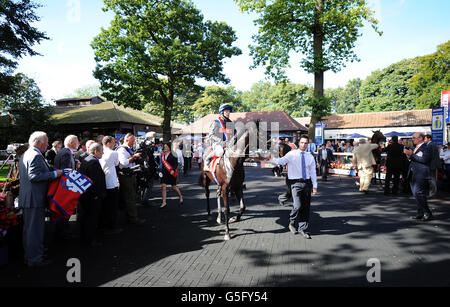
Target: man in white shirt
(110,205)
(127,181)
(444,154)
(302,178)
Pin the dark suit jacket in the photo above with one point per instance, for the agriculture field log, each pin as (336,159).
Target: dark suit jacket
(435,160)
(91,168)
(50,157)
(64,159)
(330,156)
(419,168)
(395,156)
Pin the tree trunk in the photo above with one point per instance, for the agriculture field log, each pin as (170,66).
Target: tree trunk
(168,107)
(318,68)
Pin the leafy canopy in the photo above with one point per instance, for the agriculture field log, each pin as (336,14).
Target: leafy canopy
(155,50)
(287,26)
(17,37)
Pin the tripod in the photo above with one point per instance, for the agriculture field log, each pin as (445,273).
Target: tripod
(13,173)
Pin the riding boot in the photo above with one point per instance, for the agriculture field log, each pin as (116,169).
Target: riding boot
(207,162)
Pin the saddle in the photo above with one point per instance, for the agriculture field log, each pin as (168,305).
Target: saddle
(212,166)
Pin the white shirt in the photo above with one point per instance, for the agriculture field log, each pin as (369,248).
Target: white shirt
(180,158)
(445,155)
(124,155)
(324,154)
(294,161)
(109,161)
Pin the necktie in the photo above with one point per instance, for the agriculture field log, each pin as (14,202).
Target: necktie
(303,166)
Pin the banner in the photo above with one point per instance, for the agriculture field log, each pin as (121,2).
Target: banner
(319,134)
(445,97)
(438,126)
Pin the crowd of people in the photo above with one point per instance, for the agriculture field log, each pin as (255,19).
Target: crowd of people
(112,173)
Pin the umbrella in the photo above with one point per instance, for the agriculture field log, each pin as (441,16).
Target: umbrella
(192,138)
(281,135)
(355,136)
(395,133)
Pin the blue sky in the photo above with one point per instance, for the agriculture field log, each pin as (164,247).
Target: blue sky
(411,28)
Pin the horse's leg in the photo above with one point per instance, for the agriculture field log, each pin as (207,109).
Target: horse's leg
(207,201)
(240,198)
(219,208)
(226,212)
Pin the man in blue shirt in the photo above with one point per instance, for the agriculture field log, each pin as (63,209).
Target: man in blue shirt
(302,178)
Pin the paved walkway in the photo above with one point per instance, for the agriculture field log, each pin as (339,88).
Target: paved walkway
(180,247)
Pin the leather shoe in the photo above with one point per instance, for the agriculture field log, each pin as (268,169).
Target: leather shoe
(427,217)
(417,217)
(304,234)
(292,229)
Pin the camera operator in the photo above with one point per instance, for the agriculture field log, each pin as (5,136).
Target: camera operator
(149,167)
(127,179)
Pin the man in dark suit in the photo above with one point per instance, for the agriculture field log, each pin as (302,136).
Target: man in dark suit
(65,159)
(394,165)
(35,174)
(435,164)
(51,153)
(91,200)
(324,158)
(419,174)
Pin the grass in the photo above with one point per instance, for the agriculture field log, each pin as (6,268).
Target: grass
(3,174)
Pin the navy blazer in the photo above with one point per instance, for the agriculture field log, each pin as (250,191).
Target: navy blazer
(435,159)
(419,168)
(330,156)
(91,168)
(64,159)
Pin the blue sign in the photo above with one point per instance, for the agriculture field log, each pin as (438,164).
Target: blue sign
(319,134)
(438,123)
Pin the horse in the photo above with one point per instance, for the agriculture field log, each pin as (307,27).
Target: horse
(377,138)
(229,176)
(283,149)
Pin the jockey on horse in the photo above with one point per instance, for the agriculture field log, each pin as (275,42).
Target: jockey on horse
(219,135)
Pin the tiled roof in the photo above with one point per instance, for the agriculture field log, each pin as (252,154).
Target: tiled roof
(376,119)
(105,112)
(286,123)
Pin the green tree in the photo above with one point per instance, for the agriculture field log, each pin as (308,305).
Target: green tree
(86,91)
(345,100)
(258,97)
(27,106)
(17,37)
(433,78)
(213,97)
(182,108)
(388,89)
(325,32)
(292,98)
(155,50)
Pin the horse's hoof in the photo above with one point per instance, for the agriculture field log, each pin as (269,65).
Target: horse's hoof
(227,237)
(219,221)
(234,219)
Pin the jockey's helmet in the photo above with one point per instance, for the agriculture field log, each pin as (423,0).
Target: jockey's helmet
(225,107)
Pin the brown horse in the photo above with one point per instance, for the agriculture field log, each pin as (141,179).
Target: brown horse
(377,138)
(229,176)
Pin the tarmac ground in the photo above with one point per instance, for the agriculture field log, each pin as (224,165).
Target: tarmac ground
(352,235)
